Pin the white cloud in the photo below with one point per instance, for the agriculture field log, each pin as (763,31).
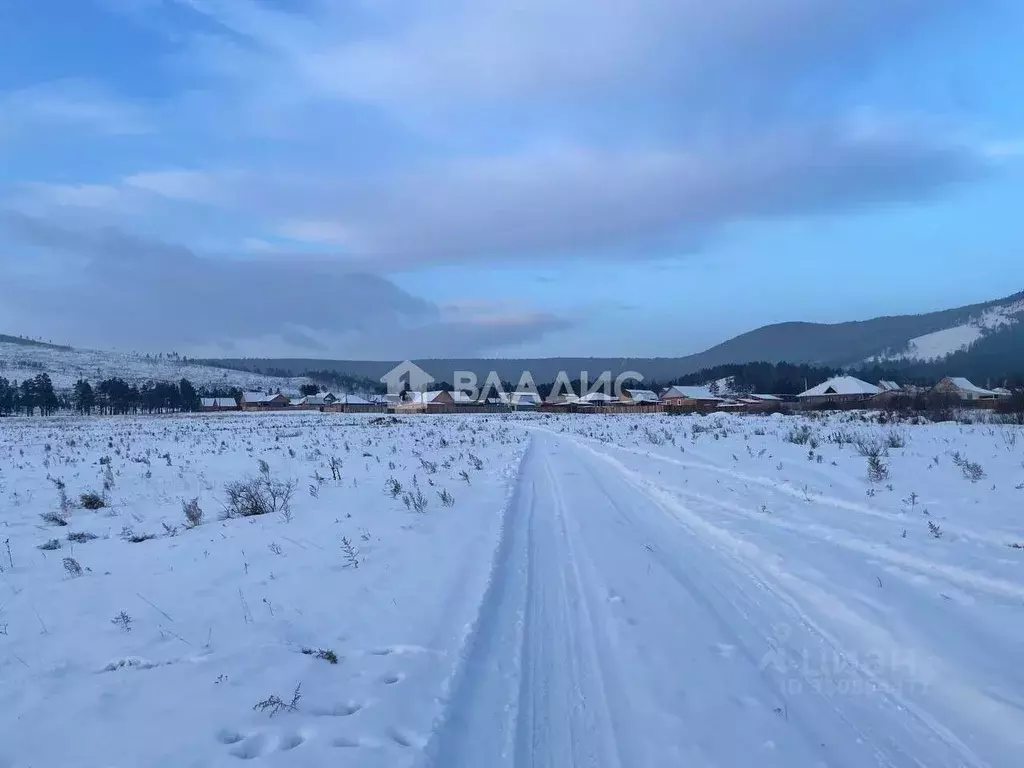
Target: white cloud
(328,232)
(450,53)
(98,196)
(116,288)
(186,186)
(1006,149)
(68,103)
(564,200)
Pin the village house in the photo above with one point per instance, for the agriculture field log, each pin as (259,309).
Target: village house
(257,401)
(758,403)
(963,389)
(418,402)
(348,403)
(597,399)
(695,398)
(521,400)
(888,393)
(639,397)
(566,398)
(839,390)
(218,404)
(310,402)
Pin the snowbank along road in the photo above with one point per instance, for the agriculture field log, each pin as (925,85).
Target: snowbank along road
(518,592)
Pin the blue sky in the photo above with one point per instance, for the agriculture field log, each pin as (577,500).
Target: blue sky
(382,179)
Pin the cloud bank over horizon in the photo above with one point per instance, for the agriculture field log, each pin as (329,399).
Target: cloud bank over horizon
(380,179)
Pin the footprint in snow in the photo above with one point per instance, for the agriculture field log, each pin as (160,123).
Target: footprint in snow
(261,743)
(252,747)
(290,741)
(228,736)
(341,709)
(404,738)
(392,677)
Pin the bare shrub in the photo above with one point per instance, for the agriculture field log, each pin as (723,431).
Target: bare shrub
(81,537)
(50,546)
(895,440)
(72,567)
(877,470)
(62,496)
(55,518)
(324,654)
(869,446)
(274,704)
(259,495)
(192,513)
(129,535)
(840,438)
(123,622)
(971,469)
(799,435)
(350,553)
(416,502)
(335,465)
(92,500)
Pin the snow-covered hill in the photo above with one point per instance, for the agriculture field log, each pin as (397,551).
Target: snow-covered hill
(65,366)
(958,338)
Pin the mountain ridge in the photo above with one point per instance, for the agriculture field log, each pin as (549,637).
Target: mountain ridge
(985,339)
(847,344)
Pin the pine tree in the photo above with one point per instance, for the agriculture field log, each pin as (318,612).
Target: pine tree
(189,398)
(45,396)
(85,398)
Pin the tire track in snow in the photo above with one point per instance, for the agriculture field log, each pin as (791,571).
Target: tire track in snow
(479,714)
(789,593)
(612,636)
(992,537)
(532,689)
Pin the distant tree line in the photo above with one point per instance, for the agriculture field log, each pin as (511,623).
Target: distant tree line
(333,380)
(32,395)
(116,396)
(112,396)
(328,379)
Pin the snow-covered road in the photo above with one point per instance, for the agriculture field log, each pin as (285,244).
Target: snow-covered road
(624,626)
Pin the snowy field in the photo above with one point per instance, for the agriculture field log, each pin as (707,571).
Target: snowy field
(726,591)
